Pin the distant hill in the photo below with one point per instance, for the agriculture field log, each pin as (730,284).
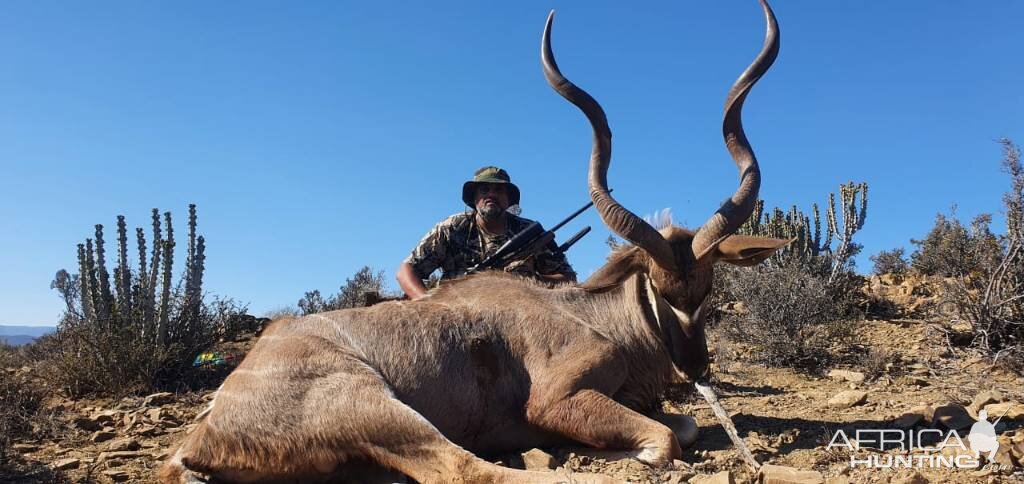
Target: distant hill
(19,335)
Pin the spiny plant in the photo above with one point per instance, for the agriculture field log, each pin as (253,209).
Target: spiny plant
(808,246)
(145,330)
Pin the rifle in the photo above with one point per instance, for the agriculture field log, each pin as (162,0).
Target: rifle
(531,241)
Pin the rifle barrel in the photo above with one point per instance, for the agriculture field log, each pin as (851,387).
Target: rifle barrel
(574,214)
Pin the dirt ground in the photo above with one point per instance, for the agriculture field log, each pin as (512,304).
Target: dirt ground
(784,416)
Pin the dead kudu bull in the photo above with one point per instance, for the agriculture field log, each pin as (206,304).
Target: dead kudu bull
(491,362)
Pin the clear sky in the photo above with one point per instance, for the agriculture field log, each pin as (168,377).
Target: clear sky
(318,137)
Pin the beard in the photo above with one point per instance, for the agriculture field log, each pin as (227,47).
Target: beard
(491,211)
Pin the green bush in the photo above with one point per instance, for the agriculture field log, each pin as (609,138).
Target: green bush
(890,262)
(362,289)
(144,331)
(804,298)
(790,315)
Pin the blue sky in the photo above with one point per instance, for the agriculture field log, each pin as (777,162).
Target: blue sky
(318,137)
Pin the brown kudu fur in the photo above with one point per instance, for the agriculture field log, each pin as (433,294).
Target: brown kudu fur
(490,362)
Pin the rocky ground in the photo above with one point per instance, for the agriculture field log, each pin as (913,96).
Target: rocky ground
(907,376)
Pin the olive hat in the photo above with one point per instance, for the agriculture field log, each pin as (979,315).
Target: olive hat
(489,174)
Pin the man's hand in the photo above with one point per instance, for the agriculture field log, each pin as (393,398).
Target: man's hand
(410,282)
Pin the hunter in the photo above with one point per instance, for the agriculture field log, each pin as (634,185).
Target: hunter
(463,240)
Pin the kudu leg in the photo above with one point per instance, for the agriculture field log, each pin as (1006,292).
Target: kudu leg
(593,418)
(400,438)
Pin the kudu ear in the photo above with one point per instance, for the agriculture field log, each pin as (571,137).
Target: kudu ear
(746,250)
(620,265)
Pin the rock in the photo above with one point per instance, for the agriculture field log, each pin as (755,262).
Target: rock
(155,414)
(64,464)
(848,398)
(837,480)
(86,423)
(851,376)
(149,431)
(120,454)
(773,474)
(915,478)
(927,412)
(161,398)
(1004,457)
(538,460)
(102,436)
(953,417)
(24,448)
(984,398)
(106,416)
(676,477)
(116,475)
(907,421)
(1009,411)
(723,477)
(915,381)
(124,443)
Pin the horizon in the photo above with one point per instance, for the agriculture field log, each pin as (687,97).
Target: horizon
(319,138)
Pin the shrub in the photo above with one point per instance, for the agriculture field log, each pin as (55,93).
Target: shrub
(890,262)
(791,316)
(20,399)
(144,331)
(805,297)
(989,293)
(362,288)
(950,248)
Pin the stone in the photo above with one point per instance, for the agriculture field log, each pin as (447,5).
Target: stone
(916,381)
(161,398)
(121,454)
(773,474)
(848,398)
(851,376)
(538,460)
(952,417)
(1008,410)
(124,443)
(915,478)
(106,416)
(927,412)
(723,477)
(116,475)
(984,398)
(88,424)
(155,414)
(1004,457)
(24,448)
(149,431)
(64,464)
(907,421)
(837,480)
(102,436)
(676,477)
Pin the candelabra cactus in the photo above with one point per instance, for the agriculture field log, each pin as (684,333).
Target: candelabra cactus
(135,303)
(805,230)
(143,331)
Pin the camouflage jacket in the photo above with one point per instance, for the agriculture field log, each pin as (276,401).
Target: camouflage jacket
(456,244)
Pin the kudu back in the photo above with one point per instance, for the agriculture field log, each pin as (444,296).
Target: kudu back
(491,362)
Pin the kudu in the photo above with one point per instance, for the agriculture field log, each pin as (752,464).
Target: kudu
(491,362)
